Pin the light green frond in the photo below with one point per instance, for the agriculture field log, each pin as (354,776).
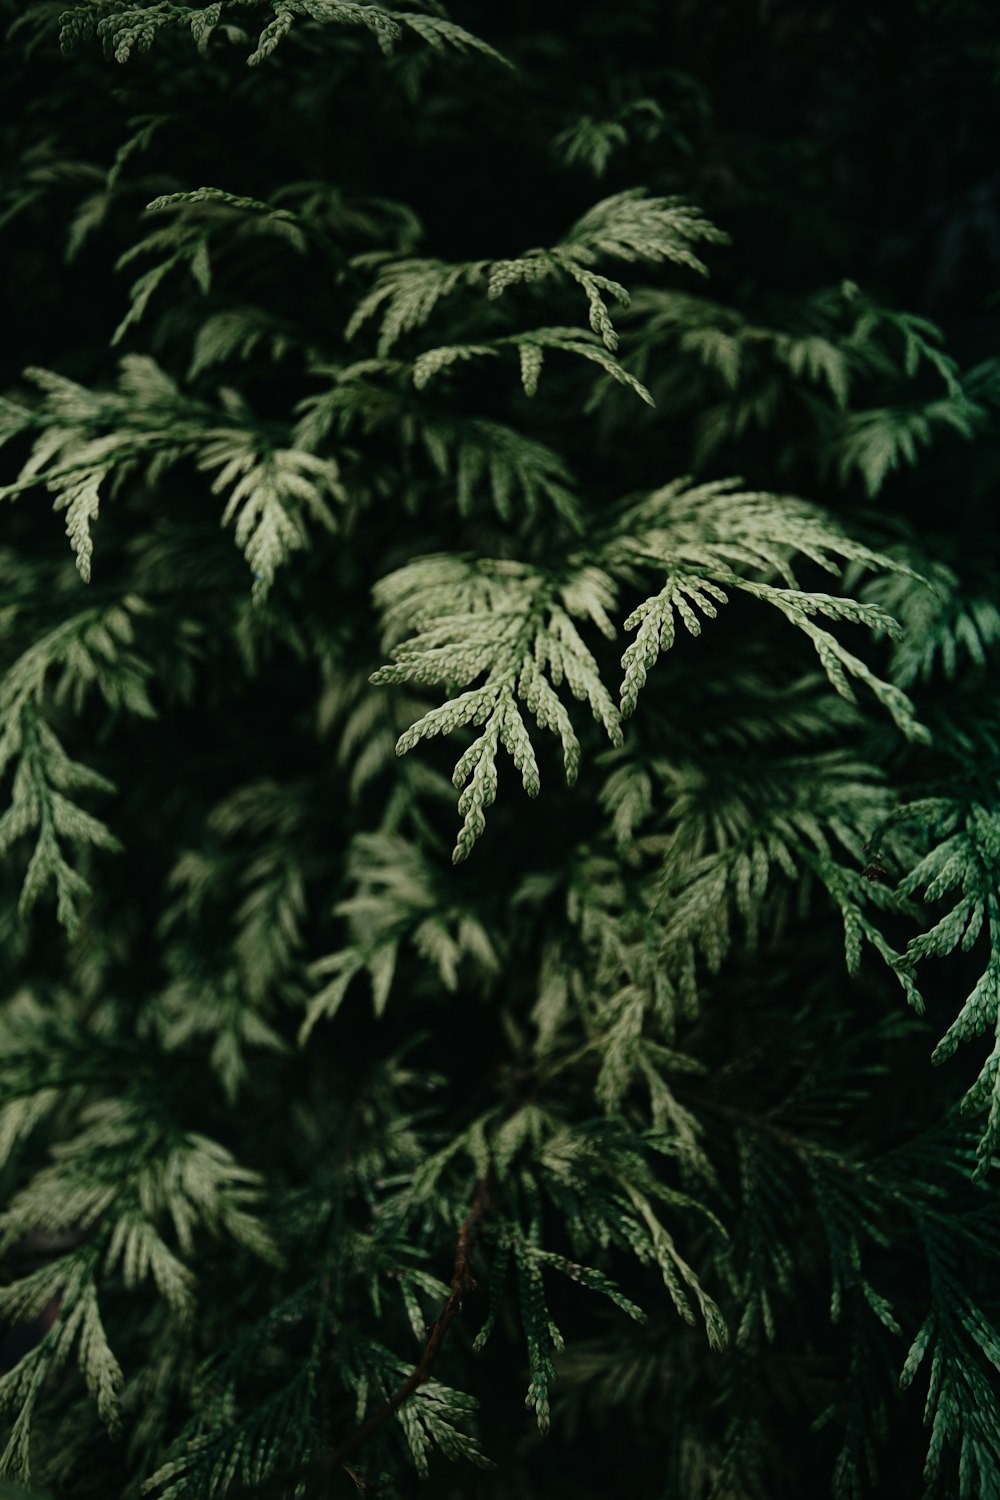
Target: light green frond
(267,492)
(521,640)
(633,227)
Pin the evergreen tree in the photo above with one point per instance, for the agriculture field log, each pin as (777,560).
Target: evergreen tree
(377,386)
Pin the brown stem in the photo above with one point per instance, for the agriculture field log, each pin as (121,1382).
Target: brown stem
(318,1471)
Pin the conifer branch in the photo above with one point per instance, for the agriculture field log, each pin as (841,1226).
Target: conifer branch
(318,1472)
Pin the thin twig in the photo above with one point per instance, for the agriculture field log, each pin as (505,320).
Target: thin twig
(319,1470)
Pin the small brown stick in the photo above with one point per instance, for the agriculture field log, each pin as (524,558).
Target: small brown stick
(320,1469)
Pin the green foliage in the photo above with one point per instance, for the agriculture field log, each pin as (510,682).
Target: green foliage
(318,1151)
(629,226)
(133,29)
(821,360)
(86,442)
(511,624)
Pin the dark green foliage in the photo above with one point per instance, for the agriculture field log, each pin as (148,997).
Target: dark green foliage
(375,384)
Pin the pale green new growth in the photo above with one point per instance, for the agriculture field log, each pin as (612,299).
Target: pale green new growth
(89,443)
(531,348)
(91,649)
(700,533)
(513,626)
(267,489)
(629,226)
(654,622)
(510,624)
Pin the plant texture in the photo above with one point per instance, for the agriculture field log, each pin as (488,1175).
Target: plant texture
(499,752)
